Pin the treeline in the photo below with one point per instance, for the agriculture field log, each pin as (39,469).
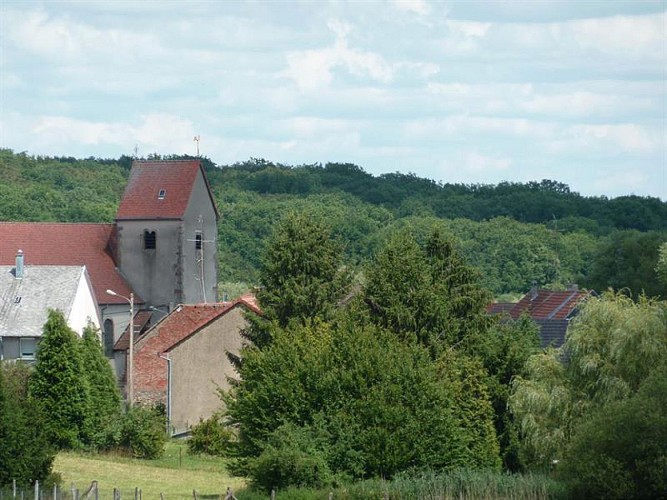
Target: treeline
(513,233)
(546,202)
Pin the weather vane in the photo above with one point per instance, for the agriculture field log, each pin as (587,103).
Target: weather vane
(196,139)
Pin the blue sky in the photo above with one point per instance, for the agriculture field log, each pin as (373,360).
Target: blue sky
(461,91)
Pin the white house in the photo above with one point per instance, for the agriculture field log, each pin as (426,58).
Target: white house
(26,295)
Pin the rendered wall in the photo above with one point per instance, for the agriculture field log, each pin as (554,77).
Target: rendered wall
(200,365)
(84,308)
(196,291)
(155,274)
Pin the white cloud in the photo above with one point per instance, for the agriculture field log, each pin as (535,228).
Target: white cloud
(477,162)
(312,69)
(156,133)
(419,7)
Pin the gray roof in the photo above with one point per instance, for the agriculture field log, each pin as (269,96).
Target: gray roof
(24,302)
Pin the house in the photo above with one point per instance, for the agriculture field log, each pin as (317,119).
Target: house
(182,360)
(28,292)
(551,310)
(160,250)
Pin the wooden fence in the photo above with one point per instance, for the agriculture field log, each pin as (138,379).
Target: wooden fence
(37,492)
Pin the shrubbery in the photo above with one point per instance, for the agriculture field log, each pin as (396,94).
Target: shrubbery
(144,432)
(211,436)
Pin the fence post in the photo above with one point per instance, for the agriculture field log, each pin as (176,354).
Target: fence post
(55,492)
(37,490)
(14,488)
(194,494)
(273,494)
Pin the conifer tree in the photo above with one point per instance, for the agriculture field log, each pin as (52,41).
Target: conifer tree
(25,452)
(302,276)
(59,384)
(104,395)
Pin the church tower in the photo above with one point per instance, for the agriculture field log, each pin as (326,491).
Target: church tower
(166,233)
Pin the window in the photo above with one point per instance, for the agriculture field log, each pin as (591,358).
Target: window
(149,240)
(28,347)
(198,241)
(162,194)
(108,338)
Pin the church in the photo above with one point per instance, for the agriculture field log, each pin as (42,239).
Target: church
(160,251)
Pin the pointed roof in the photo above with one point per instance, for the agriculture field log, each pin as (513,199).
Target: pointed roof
(161,189)
(183,322)
(64,244)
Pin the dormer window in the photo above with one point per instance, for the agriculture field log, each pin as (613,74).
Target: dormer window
(162,194)
(150,240)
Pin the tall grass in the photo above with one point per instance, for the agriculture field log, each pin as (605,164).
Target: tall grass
(454,485)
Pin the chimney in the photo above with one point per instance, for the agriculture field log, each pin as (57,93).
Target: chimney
(572,287)
(533,291)
(18,270)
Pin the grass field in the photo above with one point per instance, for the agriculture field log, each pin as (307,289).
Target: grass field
(175,475)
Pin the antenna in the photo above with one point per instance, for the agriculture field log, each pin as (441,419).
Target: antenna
(197,139)
(200,256)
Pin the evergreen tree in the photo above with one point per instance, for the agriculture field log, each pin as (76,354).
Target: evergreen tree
(302,276)
(59,384)
(25,452)
(105,401)
(427,293)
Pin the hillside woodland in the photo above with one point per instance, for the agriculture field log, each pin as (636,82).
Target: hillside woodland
(513,233)
(374,357)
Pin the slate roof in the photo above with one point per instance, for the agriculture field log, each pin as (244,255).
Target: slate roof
(548,304)
(176,178)
(66,244)
(24,302)
(140,324)
(552,332)
(184,321)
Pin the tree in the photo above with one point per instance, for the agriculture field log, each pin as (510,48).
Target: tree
(661,267)
(613,346)
(105,401)
(26,454)
(628,259)
(302,276)
(428,292)
(504,353)
(59,385)
(620,450)
(366,402)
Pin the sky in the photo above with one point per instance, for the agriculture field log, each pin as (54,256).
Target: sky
(454,91)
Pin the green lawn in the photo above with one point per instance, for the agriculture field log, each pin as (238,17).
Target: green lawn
(175,475)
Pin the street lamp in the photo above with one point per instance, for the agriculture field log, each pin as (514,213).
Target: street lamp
(130,370)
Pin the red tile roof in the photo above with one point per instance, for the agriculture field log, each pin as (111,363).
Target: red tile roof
(499,307)
(142,199)
(45,243)
(184,321)
(547,304)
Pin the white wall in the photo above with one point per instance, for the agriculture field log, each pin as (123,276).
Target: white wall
(84,307)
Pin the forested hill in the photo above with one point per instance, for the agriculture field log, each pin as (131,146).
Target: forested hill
(514,233)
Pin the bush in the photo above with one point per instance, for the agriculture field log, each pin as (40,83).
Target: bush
(144,432)
(295,456)
(211,436)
